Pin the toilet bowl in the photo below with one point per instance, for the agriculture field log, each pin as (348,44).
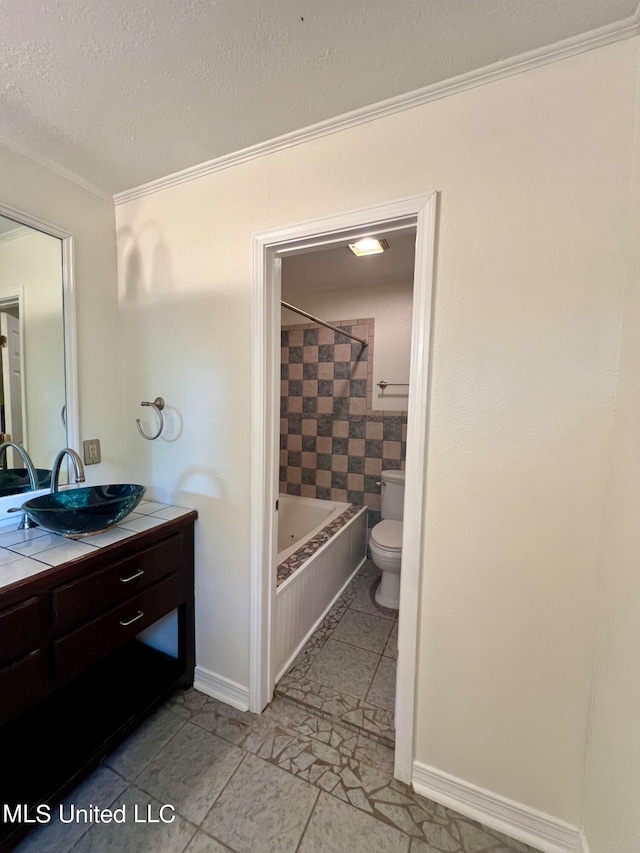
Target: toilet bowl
(385,542)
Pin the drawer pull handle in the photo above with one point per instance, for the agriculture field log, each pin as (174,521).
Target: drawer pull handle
(132,577)
(139,615)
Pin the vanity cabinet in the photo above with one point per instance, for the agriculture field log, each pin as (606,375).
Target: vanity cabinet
(74,679)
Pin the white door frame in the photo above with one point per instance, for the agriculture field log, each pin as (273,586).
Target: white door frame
(416,211)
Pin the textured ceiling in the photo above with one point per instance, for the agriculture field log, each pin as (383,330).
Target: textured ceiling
(123,92)
(339,269)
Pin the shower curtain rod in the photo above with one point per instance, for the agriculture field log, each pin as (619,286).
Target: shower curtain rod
(365,343)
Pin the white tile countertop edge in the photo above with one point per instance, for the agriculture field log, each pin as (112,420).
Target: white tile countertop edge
(17,545)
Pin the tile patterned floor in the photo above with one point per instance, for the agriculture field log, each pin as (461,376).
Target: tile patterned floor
(346,671)
(313,775)
(287,781)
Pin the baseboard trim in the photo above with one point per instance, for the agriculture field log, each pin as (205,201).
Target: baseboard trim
(221,688)
(542,831)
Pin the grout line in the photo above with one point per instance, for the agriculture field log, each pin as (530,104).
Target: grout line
(306,826)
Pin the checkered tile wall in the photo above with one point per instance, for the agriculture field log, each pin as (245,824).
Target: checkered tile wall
(332,445)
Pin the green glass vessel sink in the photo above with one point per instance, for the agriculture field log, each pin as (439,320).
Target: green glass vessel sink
(16,480)
(85,511)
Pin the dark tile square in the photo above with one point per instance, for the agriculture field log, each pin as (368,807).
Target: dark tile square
(392,430)
(310,370)
(293,489)
(391,464)
(343,339)
(283,441)
(323,461)
(323,494)
(284,339)
(357,428)
(358,353)
(325,352)
(295,355)
(309,476)
(284,371)
(373,448)
(403,450)
(325,387)
(295,387)
(371,484)
(295,424)
(283,474)
(342,370)
(310,337)
(355,465)
(340,446)
(338,480)
(284,406)
(309,405)
(325,425)
(309,443)
(358,388)
(356,498)
(341,407)
(294,459)
(373,517)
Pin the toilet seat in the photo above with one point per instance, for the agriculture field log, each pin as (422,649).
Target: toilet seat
(387,535)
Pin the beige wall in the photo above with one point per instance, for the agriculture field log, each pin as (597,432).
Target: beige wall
(390,306)
(612,806)
(37,191)
(533,173)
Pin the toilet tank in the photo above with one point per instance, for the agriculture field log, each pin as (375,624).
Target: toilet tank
(392,495)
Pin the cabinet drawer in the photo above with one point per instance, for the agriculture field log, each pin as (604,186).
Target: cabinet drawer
(19,630)
(92,642)
(87,596)
(21,684)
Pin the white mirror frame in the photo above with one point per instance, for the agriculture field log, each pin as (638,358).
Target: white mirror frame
(70,345)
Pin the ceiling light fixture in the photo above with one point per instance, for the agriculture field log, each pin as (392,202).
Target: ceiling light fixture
(368,246)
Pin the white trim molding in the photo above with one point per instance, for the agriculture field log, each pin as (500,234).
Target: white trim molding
(415,213)
(540,830)
(626,28)
(221,688)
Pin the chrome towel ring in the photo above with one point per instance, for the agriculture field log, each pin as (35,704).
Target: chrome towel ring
(158,405)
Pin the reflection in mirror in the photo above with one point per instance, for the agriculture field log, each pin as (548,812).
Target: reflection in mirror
(32,357)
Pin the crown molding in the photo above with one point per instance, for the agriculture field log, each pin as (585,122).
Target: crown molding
(59,170)
(20,231)
(624,29)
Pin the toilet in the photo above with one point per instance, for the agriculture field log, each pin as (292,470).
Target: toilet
(386,539)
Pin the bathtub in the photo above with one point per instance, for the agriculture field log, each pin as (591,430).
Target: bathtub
(321,545)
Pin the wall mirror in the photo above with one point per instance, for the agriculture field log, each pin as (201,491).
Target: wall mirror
(38,404)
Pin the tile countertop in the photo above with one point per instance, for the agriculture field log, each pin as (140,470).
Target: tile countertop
(24,553)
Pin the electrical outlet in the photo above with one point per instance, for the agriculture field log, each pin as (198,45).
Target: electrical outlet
(91,451)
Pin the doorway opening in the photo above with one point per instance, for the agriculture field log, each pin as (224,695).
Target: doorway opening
(343,435)
(417,216)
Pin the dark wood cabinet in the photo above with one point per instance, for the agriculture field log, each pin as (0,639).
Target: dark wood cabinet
(74,679)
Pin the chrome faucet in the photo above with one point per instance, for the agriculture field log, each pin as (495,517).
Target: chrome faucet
(78,468)
(28,464)
(26,522)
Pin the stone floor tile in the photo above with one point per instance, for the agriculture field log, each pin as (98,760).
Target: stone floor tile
(382,692)
(346,668)
(144,744)
(102,788)
(336,827)
(190,771)
(203,843)
(134,837)
(363,630)
(262,808)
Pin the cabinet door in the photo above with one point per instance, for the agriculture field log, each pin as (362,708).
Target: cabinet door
(19,630)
